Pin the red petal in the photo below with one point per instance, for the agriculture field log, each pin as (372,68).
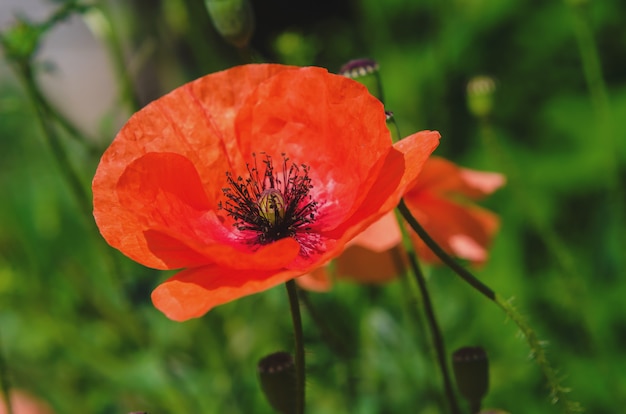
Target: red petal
(445,221)
(417,150)
(326,121)
(195,121)
(155,189)
(316,281)
(235,255)
(401,168)
(380,236)
(444,177)
(193,292)
(366,266)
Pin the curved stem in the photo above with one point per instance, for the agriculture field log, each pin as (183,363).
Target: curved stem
(435,331)
(443,256)
(292,292)
(558,392)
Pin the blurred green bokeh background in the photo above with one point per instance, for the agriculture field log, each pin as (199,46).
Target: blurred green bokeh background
(77,327)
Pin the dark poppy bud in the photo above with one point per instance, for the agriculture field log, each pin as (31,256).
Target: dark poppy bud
(364,71)
(277,374)
(471,370)
(480,94)
(233,20)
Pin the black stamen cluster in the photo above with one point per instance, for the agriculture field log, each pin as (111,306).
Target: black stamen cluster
(293,214)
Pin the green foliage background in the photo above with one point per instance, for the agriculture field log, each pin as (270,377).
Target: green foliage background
(76,324)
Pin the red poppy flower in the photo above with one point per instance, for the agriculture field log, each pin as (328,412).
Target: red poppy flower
(438,199)
(24,403)
(250,177)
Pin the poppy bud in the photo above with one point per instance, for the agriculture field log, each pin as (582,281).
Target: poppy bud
(233,19)
(480,92)
(471,371)
(277,374)
(364,71)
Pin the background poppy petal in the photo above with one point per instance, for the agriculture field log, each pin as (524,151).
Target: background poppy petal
(380,236)
(445,221)
(444,177)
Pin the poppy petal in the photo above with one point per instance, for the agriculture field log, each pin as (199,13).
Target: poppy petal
(144,196)
(193,292)
(417,149)
(317,280)
(445,221)
(447,178)
(367,266)
(380,236)
(271,256)
(195,121)
(328,122)
(402,166)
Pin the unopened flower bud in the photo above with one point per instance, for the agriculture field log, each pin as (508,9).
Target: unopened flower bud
(364,71)
(277,374)
(233,19)
(480,94)
(471,371)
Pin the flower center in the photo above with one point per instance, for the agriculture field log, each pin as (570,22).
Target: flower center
(271,206)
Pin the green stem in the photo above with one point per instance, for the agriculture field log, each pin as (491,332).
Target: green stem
(54,141)
(592,69)
(114,44)
(441,254)
(558,392)
(435,331)
(294,305)
(334,341)
(5,384)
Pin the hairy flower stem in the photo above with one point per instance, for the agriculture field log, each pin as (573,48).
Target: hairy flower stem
(292,292)
(5,384)
(435,331)
(558,392)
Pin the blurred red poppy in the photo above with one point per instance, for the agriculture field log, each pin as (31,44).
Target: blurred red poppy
(24,403)
(250,177)
(439,200)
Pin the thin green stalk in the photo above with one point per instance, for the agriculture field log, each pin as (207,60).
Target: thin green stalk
(607,139)
(80,193)
(592,69)
(5,384)
(71,176)
(437,336)
(558,392)
(334,341)
(294,305)
(111,36)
